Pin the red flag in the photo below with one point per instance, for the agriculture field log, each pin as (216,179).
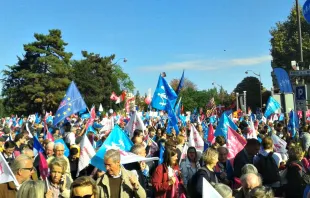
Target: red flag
(43,167)
(92,117)
(113,96)
(211,137)
(235,143)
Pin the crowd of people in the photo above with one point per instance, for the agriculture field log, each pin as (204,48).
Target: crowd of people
(259,170)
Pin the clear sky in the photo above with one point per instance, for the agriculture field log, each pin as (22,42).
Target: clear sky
(212,40)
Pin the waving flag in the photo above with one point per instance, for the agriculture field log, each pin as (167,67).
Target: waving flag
(6,174)
(70,104)
(293,124)
(208,190)
(116,139)
(223,124)
(177,108)
(43,166)
(87,153)
(181,84)
(162,94)
(211,137)
(92,117)
(195,140)
(134,123)
(272,107)
(113,96)
(283,80)
(37,147)
(161,154)
(235,143)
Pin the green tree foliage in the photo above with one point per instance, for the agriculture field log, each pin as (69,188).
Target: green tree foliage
(39,79)
(285,44)
(3,113)
(121,78)
(93,77)
(252,86)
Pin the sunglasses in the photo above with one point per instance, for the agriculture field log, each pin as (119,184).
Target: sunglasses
(30,169)
(85,196)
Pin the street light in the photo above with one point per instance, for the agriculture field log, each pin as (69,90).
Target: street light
(260,86)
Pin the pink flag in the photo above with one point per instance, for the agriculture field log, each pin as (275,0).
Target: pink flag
(235,143)
(43,167)
(211,137)
(113,96)
(49,136)
(92,117)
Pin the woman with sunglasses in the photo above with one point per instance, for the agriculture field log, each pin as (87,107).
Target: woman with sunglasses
(84,187)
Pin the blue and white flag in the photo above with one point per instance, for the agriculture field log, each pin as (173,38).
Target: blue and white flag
(118,140)
(222,127)
(272,107)
(283,80)
(162,94)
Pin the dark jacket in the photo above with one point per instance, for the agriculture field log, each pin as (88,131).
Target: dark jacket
(197,181)
(295,186)
(8,190)
(240,160)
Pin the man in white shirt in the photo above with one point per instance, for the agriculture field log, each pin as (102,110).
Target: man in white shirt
(70,138)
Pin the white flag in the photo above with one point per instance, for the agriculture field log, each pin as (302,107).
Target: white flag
(195,139)
(6,174)
(253,133)
(87,152)
(100,108)
(208,190)
(278,144)
(128,157)
(134,123)
(184,153)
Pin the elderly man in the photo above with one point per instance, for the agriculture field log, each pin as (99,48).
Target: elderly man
(248,181)
(117,181)
(22,168)
(59,150)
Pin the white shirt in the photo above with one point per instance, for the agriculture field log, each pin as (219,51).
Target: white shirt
(276,156)
(70,139)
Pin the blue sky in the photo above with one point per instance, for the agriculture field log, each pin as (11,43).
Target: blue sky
(212,40)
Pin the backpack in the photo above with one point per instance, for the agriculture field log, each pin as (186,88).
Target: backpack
(268,169)
(191,185)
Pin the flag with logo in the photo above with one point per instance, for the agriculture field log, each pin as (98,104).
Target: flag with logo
(272,107)
(91,120)
(293,124)
(235,143)
(117,139)
(6,174)
(70,104)
(195,139)
(223,124)
(86,154)
(162,94)
(134,123)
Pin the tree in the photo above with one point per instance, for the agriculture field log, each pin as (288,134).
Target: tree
(285,44)
(187,84)
(252,87)
(122,78)
(93,76)
(3,113)
(40,78)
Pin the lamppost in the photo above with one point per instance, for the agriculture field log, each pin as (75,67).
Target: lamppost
(113,64)
(260,86)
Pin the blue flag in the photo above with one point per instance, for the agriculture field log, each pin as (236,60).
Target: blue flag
(181,83)
(205,129)
(37,147)
(67,151)
(306,11)
(171,115)
(70,104)
(222,127)
(281,117)
(272,107)
(283,80)
(161,154)
(162,94)
(91,129)
(117,139)
(85,116)
(293,123)
(38,119)
(177,108)
(212,119)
